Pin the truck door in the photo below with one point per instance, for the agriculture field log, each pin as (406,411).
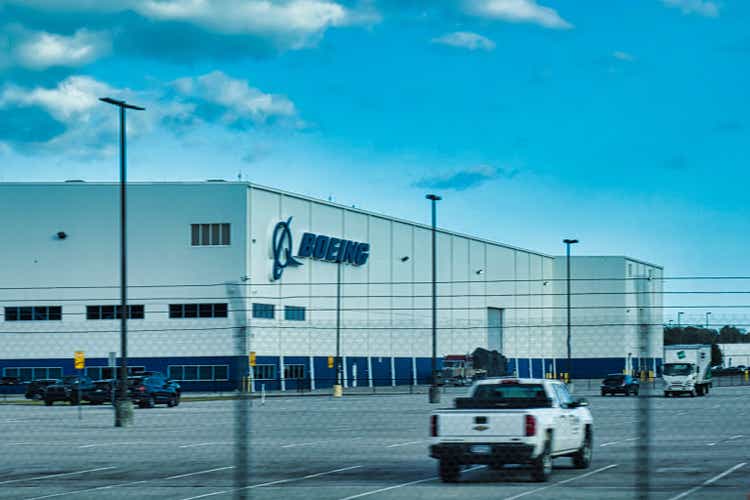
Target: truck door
(573,427)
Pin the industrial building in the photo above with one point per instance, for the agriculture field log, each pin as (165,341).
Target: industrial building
(218,270)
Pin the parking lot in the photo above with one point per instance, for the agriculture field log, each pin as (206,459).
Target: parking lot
(358,447)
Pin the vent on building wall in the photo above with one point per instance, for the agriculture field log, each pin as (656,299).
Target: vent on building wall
(74,180)
(215,180)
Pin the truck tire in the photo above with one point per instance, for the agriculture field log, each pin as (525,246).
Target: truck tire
(541,467)
(449,470)
(582,458)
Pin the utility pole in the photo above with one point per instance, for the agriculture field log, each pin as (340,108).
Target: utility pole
(434,389)
(123,405)
(568,242)
(338,388)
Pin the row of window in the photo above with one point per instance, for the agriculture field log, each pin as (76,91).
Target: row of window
(268,311)
(183,373)
(195,373)
(268,372)
(36,373)
(137,311)
(210,234)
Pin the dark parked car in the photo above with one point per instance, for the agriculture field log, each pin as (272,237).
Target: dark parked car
(148,391)
(71,388)
(620,384)
(10,381)
(102,392)
(37,388)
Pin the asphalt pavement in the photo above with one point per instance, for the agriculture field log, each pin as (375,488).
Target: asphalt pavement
(372,447)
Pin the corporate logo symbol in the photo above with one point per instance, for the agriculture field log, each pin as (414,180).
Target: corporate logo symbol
(282,248)
(313,246)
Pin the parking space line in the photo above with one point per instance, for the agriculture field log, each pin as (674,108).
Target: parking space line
(200,444)
(709,481)
(180,476)
(402,485)
(295,445)
(49,476)
(396,445)
(564,481)
(272,483)
(610,443)
(738,436)
(53,495)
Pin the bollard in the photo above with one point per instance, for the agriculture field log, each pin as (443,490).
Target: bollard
(263,394)
(337,391)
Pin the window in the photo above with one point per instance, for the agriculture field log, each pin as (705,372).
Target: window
(198,310)
(33,313)
(114,312)
(630,270)
(263,311)
(294,371)
(29,374)
(294,313)
(563,395)
(264,372)
(210,234)
(195,373)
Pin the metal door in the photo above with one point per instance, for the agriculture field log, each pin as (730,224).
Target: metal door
(495,329)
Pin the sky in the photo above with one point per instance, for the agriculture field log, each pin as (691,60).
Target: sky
(623,123)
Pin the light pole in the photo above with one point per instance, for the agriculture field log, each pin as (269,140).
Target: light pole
(123,405)
(707,320)
(434,389)
(338,387)
(679,326)
(568,242)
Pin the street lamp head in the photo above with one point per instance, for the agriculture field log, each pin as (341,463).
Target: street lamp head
(569,242)
(433,197)
(121,104)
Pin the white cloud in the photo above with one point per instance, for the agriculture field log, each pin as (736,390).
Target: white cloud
(705,8)
(466,40)
(517,11)
(41,50)
(235,99)
(295,23)
(623,56)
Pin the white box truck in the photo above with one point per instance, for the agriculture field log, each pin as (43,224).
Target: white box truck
(687,369)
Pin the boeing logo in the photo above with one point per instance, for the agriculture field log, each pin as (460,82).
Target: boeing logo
(313,246)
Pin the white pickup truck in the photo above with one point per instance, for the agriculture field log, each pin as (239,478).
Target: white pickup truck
(512,421)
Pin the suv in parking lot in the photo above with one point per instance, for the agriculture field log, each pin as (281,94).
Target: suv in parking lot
(71,388)
(618,383)
(148,391)
(37,388)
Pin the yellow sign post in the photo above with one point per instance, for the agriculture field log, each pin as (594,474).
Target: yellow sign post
(79,360)
(251,358)
(330,361)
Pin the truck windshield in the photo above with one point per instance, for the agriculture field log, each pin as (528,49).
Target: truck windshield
(678,369)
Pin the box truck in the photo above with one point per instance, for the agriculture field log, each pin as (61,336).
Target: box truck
(687,369)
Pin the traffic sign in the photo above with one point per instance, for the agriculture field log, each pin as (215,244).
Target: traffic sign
(79,360)
(251,358)
(330,361)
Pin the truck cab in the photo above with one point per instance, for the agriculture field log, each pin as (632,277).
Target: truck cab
(687,370)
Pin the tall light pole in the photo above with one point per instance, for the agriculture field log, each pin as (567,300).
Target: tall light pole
(434,389)
(707,321)
(123,405)
(337,386)
(568,242)
(679,315)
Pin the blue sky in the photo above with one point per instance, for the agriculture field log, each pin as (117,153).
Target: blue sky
(621,122)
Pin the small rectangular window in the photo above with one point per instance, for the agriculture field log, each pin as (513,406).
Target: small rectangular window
(195,234)
(26,374)
(205,234)
(221,372)
(136,311)
(25,313)
(10,372)
(205,373)
(108,312)
(54,372)
(93,312)
(294,313)
(265,311)
(54,313)
(175,311)
(11,314)
(225,234)
(205,310)
(175,372)
(191,310)
(220,310)
(40,313)
(190,372)
(215,236)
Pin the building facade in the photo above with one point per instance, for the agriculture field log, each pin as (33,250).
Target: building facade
(218,270)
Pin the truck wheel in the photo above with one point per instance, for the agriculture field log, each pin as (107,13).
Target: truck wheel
(541,467)
(582,458)
(449,470)
(171,402)
(150,402)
